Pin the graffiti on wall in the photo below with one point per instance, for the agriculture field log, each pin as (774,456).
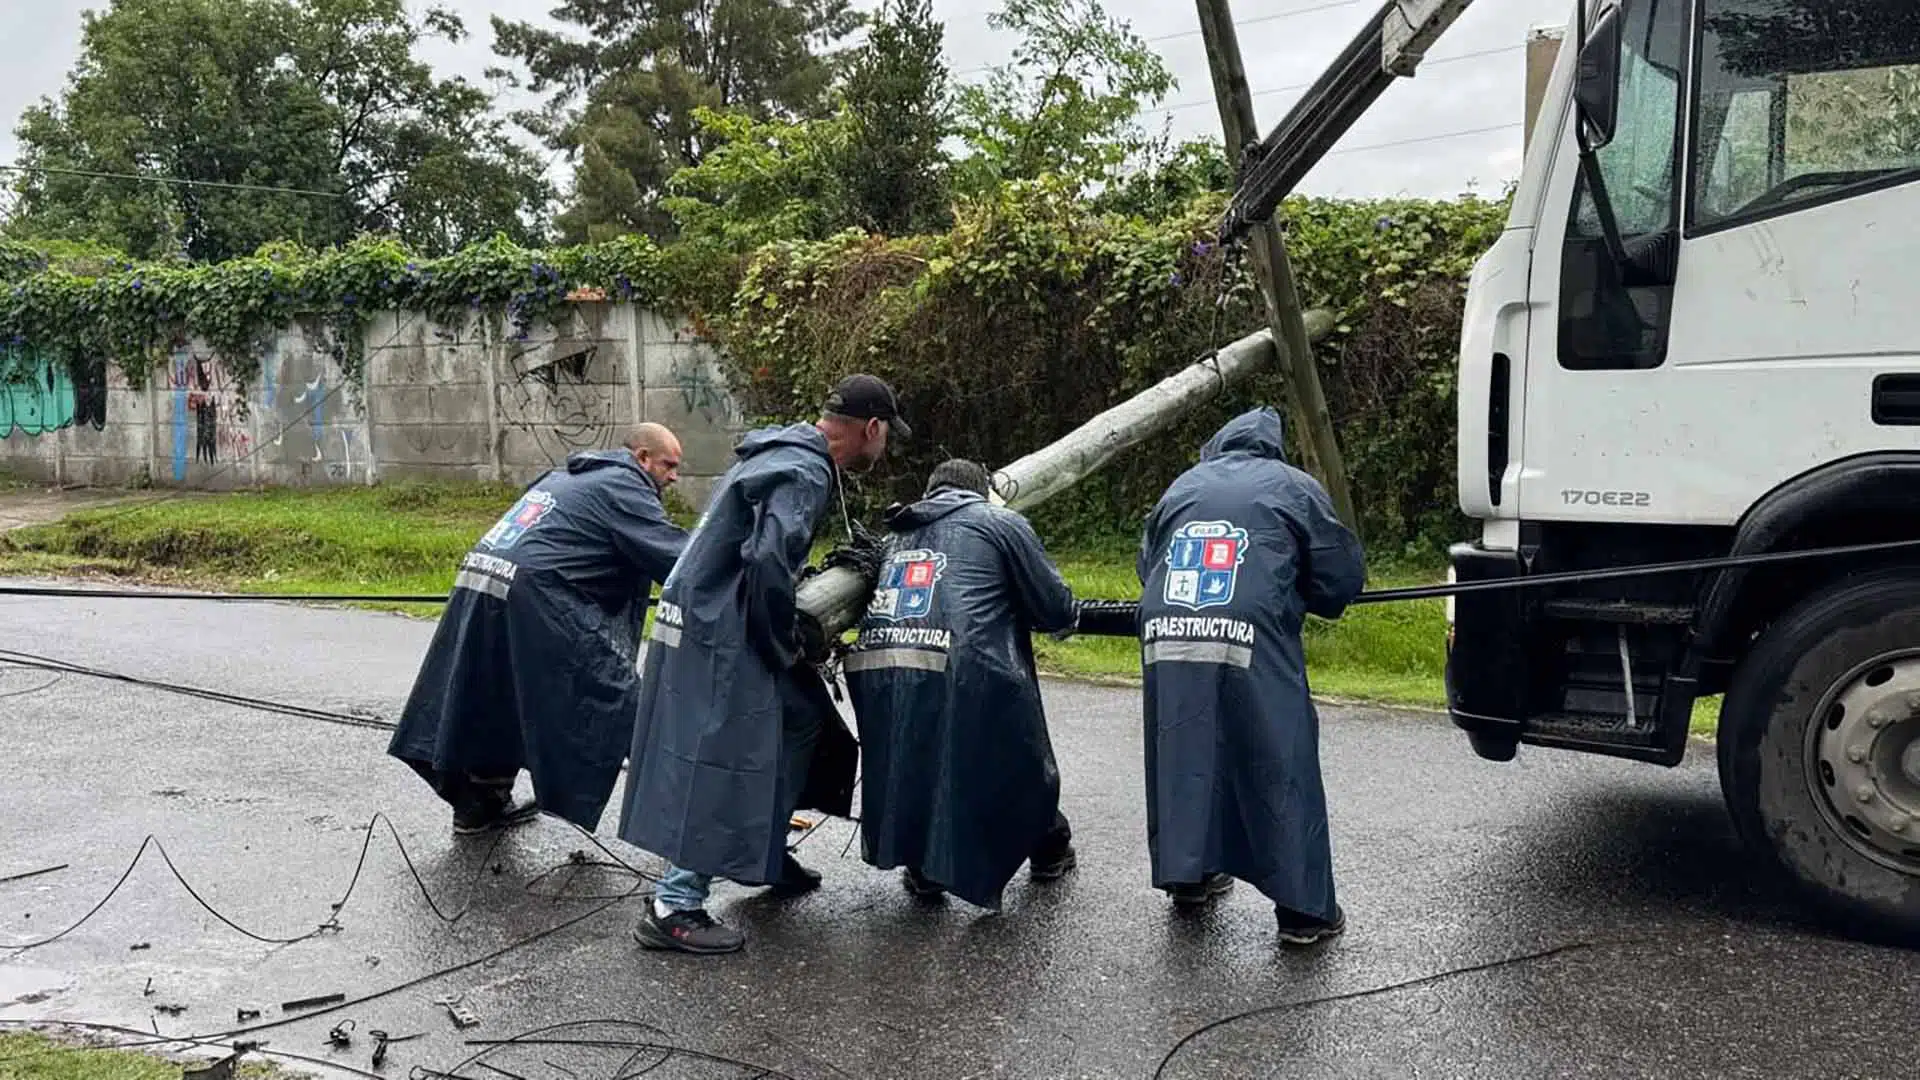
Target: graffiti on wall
(701,391)
(438,430)
(303,397)
(39,395)
(545,393)
(202,390)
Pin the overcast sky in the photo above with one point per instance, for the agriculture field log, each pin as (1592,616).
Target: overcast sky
(1449,107)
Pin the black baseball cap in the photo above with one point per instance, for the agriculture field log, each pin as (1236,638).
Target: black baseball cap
(868,397)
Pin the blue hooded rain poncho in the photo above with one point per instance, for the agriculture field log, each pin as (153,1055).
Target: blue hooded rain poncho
(736,729)
(532,665)
(959,779)
(1235,555)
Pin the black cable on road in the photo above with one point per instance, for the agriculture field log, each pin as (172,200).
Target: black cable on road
(1406,984)
(47,663)
(149,1040)
(540,1037)
(641,882)
(331,923)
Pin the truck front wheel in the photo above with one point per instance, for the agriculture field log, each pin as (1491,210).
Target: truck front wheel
(1819,751)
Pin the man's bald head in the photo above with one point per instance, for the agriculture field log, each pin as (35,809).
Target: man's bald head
(657,450)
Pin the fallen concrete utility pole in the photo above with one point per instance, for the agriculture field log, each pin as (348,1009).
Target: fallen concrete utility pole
(1058,466)
(834,599)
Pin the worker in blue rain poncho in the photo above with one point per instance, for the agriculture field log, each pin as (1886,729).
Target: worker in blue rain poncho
(736,728)
(532,665)
(1235,555)
(959,785)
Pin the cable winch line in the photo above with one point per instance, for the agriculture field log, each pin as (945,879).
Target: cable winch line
(75,592)
(1580,577)
(1379,596)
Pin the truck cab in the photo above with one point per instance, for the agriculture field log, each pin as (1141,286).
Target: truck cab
(1699,336)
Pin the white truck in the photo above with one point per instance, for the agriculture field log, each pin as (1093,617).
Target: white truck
(1699,336)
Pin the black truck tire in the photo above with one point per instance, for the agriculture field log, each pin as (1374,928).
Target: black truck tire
(1819,737)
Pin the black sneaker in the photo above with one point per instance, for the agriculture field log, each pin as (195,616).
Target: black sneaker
(795,880)
(1298,929)
(686,931)
(919,885)
(1189,896)
(1050,867)
(475,818)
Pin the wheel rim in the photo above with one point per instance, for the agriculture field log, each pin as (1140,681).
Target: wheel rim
(1863,759)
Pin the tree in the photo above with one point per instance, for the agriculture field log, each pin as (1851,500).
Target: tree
(1166,179)
(764,181)
(324,96)
(898,96)
(1069,101)
(622,101)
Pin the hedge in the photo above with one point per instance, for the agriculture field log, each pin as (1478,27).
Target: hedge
(1033,314)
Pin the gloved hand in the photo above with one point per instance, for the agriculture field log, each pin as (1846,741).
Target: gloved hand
(814,646)
(1062,635)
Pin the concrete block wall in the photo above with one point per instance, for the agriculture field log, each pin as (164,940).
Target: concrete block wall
(439,401)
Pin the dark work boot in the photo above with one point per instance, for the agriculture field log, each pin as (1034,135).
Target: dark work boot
(1049,866)
(483,805)
(795,880)
(919,885)
(1298,929)
(687,932)
(1202,894)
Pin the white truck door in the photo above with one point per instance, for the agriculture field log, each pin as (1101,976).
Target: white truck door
(1597,368)
(1796,331)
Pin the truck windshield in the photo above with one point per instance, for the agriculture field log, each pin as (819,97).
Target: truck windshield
(1802,99)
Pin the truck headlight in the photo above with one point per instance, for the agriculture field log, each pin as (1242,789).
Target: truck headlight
(1453,578)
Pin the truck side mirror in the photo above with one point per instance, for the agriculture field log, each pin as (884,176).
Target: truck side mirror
(1596,83)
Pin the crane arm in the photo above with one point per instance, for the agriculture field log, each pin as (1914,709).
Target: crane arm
(1390,46)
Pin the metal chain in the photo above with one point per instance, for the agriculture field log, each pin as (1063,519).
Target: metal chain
(1232,265)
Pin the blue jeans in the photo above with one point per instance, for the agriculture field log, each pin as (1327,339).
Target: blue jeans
(682,890)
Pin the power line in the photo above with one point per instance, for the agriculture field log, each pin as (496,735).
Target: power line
(1258,19)
(1442,137)
(1180,34)
(53,171)
(1271,91)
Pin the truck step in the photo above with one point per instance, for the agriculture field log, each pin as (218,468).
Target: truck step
(1582,729)
(1632,612)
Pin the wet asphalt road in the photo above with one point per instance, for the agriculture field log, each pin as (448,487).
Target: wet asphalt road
(1677,961)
